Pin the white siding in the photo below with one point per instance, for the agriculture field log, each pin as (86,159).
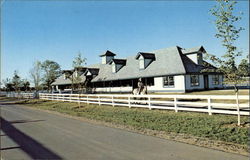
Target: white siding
(113,67)
(193,57)
(179,85)
(188,83)
(104,60)
(141,62)
(113,89)
(196,57)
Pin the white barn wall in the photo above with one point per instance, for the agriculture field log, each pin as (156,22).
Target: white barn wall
(113,89)
(179,85)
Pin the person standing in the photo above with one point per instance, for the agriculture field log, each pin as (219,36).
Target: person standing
(140,86)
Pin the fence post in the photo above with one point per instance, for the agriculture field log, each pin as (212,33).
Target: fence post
(113,101)
(209,105)
(238,107)
(79,102)
(175,104)
(99,101)
(149,103)
(129,102)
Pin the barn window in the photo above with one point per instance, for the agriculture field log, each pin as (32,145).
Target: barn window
(215,79)
(194,80)
(168,81)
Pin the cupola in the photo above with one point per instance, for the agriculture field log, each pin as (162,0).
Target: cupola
(107,57)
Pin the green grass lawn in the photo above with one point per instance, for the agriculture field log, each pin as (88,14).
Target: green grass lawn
(213,92)
(215,127)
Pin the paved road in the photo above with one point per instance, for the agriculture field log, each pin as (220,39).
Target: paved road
(33,134)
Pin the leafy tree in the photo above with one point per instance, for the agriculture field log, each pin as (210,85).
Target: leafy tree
(51,71)
(227,30)
(25,84)
(78,64)
(36,74)
(16,81)
(244,68)
(79,61)
(8,85)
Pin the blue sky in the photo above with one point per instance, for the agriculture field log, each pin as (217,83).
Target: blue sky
(58,30)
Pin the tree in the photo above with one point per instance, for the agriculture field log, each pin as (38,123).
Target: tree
(227,30)
(244,68)
(78,63)
(51,71)
(25,84)
(8,85)
(16,81)
(36,74)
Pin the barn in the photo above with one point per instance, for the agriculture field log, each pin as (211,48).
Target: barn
(172,69)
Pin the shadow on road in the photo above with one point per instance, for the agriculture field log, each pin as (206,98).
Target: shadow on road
(7,148)
(26,143)
(25,121)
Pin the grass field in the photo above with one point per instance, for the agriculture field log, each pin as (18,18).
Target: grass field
(213,92)
(215,127)
(218,127)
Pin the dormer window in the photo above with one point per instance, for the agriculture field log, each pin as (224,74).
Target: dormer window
(67,73)
(195,54)
(117,64)
(107,57)
(91,72)
(145,59)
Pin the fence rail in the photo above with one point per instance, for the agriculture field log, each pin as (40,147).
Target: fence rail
(20,95)
(224,104)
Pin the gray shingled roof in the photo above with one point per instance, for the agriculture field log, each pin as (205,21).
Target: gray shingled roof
(192,50)
(61,81)
(168,62)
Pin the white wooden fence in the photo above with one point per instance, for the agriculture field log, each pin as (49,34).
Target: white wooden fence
(224,104)
(20,95)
